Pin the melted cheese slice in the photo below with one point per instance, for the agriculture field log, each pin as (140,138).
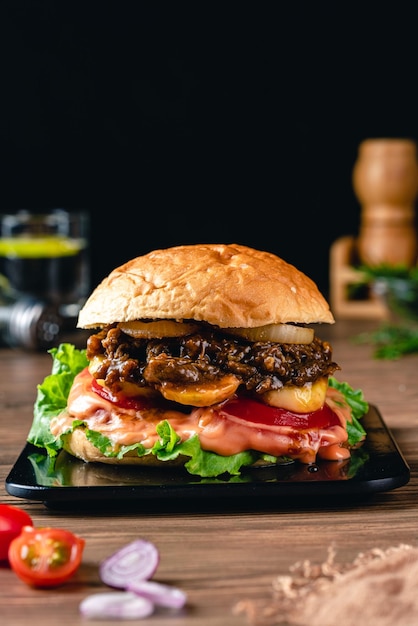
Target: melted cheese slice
(217,430)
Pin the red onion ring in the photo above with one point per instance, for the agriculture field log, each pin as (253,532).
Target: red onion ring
(158,593)
(136,561)
(120,605)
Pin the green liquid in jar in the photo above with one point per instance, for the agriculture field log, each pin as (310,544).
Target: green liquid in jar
(39,247)
(49,267)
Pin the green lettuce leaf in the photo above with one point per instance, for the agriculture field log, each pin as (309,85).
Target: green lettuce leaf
(359,407)
(52,394)
(201,462)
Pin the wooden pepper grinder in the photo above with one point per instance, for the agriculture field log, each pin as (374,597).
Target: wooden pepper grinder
(385,180)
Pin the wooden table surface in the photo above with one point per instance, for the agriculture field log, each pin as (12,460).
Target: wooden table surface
(218,554)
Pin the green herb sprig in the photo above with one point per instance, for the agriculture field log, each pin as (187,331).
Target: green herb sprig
(390,341)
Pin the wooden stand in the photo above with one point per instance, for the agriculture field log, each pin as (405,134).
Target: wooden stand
(343,279)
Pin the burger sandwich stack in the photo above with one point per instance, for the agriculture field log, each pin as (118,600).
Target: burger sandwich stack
(201,356)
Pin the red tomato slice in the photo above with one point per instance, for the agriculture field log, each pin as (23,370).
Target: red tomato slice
(12,520)
(256,412)
(133,402)
(242,407)
(45,557)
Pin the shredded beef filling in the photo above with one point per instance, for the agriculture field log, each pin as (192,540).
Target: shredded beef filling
(207,356)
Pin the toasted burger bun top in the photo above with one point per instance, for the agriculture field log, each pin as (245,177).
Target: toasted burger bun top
(228,285)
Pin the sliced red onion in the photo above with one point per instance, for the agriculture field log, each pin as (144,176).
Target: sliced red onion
(158,593)
(116,604)
(135,561)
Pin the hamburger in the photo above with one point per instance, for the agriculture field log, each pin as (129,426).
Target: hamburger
(203,356)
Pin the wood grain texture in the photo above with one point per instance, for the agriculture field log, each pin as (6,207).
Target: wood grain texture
(218,555)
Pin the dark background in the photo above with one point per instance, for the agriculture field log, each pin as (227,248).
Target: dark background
(178,122)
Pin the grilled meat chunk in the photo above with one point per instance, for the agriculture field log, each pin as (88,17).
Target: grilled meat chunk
(206,356)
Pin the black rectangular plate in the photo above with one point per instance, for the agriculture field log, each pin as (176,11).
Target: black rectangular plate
(375,467)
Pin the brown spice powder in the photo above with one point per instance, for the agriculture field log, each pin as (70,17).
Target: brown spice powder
(379,588)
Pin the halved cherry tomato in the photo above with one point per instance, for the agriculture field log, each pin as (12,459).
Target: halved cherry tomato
(45,557)
(12,520)
(254,411)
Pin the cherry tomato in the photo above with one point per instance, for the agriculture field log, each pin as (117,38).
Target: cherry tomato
(12,520)
(254,411)
(45,557)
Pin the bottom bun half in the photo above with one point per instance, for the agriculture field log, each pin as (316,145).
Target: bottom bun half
(79,446)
